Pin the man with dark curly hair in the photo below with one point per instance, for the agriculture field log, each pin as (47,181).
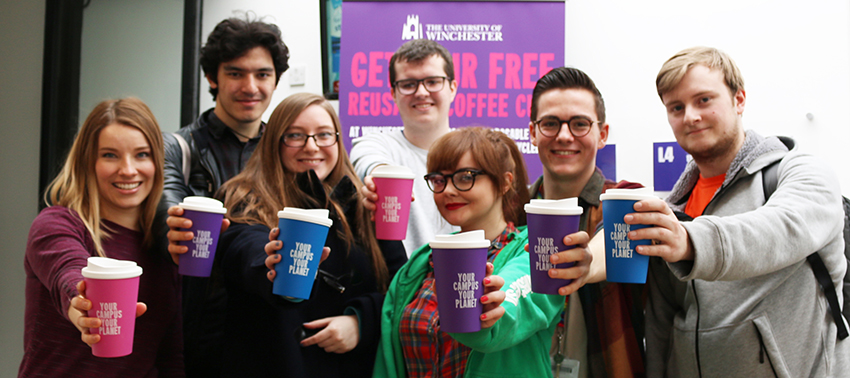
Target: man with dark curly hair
(242,61)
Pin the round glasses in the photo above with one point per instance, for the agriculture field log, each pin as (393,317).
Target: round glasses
(323,139)
(463,180)
(410,86)
(550,126)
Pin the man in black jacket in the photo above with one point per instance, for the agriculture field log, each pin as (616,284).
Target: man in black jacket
(242,61)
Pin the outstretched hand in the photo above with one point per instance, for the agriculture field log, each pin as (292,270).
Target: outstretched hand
(492,298)
(580,255)
(176,224)
(78,315)
(670,239)
(369,195)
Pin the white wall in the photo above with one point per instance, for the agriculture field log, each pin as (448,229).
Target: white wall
(794,56)
(22,31)
(133,48)
(299,22)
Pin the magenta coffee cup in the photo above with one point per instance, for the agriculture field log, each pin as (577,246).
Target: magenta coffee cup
(394,186)
(460,263)
(622,263)
(303,233)
(206,214)
(112,286)
(548,222)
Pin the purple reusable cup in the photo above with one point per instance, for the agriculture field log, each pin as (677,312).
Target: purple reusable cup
(548,222)
(112,286)
(460,263)
(622,263)
(394,187)
(206,215)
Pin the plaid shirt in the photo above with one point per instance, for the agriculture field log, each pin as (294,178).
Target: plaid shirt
(429,352)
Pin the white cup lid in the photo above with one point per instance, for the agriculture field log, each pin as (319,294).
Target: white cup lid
(104,268)
(566,206)
(392,171)
(469,239)
(204,204)
(627,194)
(318,216)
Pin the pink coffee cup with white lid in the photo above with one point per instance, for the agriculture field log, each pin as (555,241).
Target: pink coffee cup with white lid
(394,186)
(112,286)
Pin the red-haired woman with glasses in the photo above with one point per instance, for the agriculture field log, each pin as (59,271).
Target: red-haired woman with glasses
(479,182)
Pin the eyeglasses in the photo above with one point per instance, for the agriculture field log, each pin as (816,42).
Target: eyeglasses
(463,180)
(323,139)
(410,86)
(550,126)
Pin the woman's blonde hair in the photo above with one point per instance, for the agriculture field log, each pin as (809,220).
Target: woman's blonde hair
(266,186)
(75,187)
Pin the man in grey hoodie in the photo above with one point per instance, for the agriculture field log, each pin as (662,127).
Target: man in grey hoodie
(732,293)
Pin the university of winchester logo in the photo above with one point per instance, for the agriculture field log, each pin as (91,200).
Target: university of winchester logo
(412,29)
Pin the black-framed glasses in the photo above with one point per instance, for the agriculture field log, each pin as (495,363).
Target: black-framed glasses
(409,86)
(462,179)
(550,126)
(323,139)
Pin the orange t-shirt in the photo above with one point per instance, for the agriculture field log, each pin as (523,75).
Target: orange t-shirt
(702,194)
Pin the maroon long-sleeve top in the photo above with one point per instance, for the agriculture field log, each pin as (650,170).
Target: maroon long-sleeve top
(57,248)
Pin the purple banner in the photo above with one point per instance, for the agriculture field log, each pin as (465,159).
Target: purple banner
(499,50)
(606,161)
(669,162)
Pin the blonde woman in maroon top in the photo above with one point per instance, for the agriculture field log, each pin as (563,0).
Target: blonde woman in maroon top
(102,204)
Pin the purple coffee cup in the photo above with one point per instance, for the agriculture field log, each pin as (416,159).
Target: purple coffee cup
(460,264)
(548,222)
(206,215)
(112,286)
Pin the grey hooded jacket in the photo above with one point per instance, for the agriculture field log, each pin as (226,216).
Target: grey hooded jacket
(748,304)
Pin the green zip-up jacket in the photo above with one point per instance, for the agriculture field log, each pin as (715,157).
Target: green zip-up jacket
(516,346)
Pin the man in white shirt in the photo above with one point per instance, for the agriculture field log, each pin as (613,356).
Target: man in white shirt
(423,87)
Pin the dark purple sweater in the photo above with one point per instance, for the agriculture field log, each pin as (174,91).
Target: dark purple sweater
(57,249)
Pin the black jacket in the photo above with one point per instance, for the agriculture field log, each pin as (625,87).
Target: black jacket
(260,334)
(204,177)
(203,299)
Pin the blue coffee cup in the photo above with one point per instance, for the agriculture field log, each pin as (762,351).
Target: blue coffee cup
(303,233)
(622,262)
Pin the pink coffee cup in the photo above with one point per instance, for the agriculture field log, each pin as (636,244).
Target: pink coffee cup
(113,288)
(394,186)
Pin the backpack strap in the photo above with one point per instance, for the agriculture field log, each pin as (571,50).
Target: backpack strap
(187,158)
(825,281)
(770,178)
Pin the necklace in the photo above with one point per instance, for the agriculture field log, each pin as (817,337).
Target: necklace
(239,134)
